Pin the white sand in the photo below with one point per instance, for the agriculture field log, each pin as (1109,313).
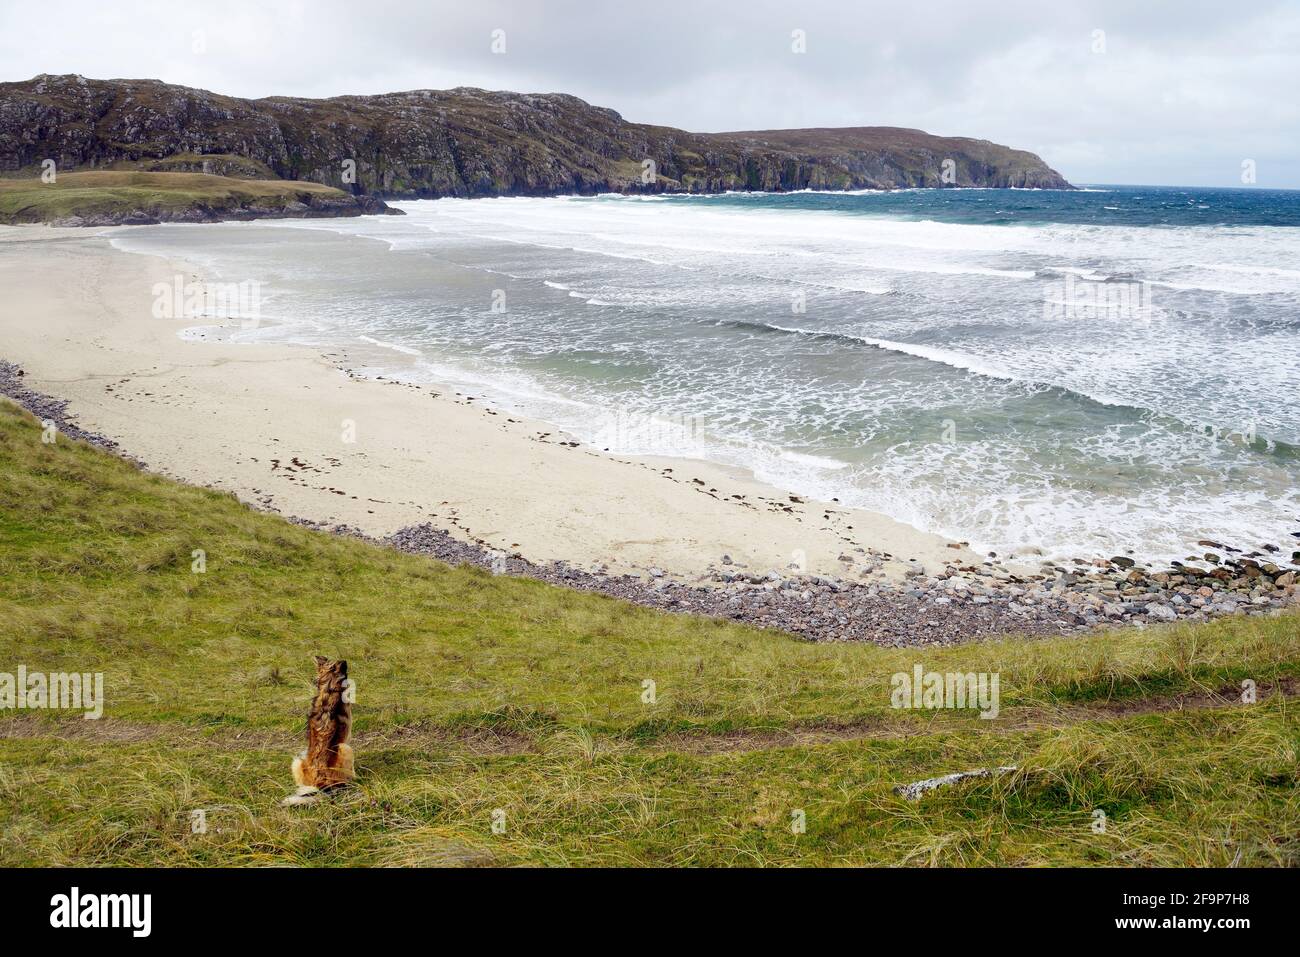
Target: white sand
(76,315)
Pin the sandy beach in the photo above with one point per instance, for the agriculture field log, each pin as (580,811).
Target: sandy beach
(288,429)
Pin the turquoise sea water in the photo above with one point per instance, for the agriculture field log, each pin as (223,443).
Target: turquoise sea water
(1082,372)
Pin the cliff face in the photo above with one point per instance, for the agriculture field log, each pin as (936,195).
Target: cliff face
(469,142)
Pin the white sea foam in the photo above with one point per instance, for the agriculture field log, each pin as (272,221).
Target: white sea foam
(824,350)
(395,346)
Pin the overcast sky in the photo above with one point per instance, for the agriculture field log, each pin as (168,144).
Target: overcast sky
(1167,92)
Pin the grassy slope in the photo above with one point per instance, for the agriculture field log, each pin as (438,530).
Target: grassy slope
(120,192)
(477,693)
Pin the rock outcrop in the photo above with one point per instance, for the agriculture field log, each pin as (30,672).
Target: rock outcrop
(467,142)
(308,208)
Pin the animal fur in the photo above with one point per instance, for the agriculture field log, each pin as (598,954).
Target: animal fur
(327,763)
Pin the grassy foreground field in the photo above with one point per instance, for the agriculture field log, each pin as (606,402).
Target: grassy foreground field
(110,194)
(478,694)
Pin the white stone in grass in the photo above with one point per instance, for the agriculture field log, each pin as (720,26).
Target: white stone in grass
(915,790)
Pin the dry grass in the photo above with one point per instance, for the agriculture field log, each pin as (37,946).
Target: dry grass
(478,693)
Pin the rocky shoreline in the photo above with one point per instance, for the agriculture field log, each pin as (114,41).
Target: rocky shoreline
(958,603)
(930,606)
(49,409)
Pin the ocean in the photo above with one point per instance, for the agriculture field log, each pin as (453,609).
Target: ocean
(1072,373)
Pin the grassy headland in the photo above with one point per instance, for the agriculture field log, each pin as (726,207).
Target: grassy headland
(110,197)
(477,693)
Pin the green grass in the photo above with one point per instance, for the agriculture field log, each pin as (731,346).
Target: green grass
(121,192)
(478,692)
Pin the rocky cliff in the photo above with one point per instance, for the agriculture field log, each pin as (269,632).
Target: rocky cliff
(468,142)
